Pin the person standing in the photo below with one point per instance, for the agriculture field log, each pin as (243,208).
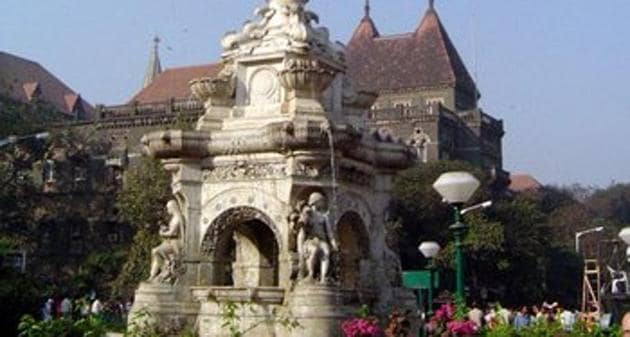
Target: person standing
(66,307)
(47,310)
(97,307)
(522,319)
(567,318)
(476,315)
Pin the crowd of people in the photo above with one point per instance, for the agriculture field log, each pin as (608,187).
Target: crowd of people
(66,307)
(524,316)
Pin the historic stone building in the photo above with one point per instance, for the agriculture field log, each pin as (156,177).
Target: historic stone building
(426,96)
(27,81)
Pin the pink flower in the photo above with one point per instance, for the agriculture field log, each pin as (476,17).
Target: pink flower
(462,328)
(361,327)
(445,312)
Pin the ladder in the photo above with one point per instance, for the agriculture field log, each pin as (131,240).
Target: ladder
(591,286)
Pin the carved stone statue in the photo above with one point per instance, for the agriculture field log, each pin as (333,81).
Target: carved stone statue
(315,240)
(165,257)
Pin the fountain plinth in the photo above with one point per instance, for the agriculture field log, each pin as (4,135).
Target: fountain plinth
(280,195)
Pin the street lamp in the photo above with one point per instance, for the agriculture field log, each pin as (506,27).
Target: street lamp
(14,139)
(624,235)
(588,231)
(430,250)
(456,188)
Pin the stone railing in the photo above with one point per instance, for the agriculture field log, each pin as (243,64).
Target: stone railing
(417,112)
(158,108)
(477,115)
(138,115)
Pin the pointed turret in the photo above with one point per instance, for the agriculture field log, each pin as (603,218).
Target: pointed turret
(366,29)
(424,59)
(437,49)
(155,67)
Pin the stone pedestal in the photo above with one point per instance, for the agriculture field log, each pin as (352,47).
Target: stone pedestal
(169,307)
(320,310)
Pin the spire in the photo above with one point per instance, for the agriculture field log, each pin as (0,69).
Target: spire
(367,8)
(155,67)
(431,4)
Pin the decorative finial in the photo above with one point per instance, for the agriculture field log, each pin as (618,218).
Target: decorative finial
(431,4)
(156,41)
(367,8)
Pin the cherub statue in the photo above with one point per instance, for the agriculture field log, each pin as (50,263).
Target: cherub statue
(316,239)
(164,258)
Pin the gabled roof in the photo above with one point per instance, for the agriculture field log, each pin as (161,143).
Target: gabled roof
(173,83)
(425,58)
(24,80)
(523,183)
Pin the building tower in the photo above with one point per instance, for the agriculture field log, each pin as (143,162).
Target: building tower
(154,67)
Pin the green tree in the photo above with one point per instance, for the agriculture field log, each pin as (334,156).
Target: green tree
(508,248)
(142,204)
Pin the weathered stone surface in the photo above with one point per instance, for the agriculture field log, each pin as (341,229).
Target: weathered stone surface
(284,196)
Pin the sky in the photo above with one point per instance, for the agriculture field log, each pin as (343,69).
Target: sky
(555,71)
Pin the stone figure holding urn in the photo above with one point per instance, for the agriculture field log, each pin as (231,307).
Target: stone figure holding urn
(315,239)
(164,257)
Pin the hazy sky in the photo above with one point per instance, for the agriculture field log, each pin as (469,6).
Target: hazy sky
(556,71)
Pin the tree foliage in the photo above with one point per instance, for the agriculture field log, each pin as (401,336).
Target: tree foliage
(507,246)
(142,204)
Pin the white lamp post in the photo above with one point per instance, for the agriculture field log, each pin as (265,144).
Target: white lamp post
(457,188)
(578,235)
(624,235)
(430,250)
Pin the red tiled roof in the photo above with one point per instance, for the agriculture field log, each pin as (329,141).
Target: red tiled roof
(21,79)
(173,83)
(424,58)
(523,182)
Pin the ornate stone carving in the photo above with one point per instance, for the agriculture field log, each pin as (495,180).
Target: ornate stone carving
(306,77)
(357,99)
(166,264)
(283,25)
(218,91)
(264,87)
(226,222)
(316,239)
(246,171)
(306,170)
(419,140)
(349,174)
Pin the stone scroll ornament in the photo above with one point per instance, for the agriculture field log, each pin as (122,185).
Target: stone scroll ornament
(166,266)
(315,241)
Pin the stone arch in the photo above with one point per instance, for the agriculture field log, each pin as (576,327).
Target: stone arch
(354,249)
(270,206)
(353,202)
(244,246)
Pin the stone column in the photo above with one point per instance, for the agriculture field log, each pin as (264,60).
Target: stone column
(187,182)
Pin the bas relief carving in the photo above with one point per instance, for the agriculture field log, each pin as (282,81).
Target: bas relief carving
(264,87)
(246,171)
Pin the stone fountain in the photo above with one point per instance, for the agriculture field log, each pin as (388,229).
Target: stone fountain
(280,194)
